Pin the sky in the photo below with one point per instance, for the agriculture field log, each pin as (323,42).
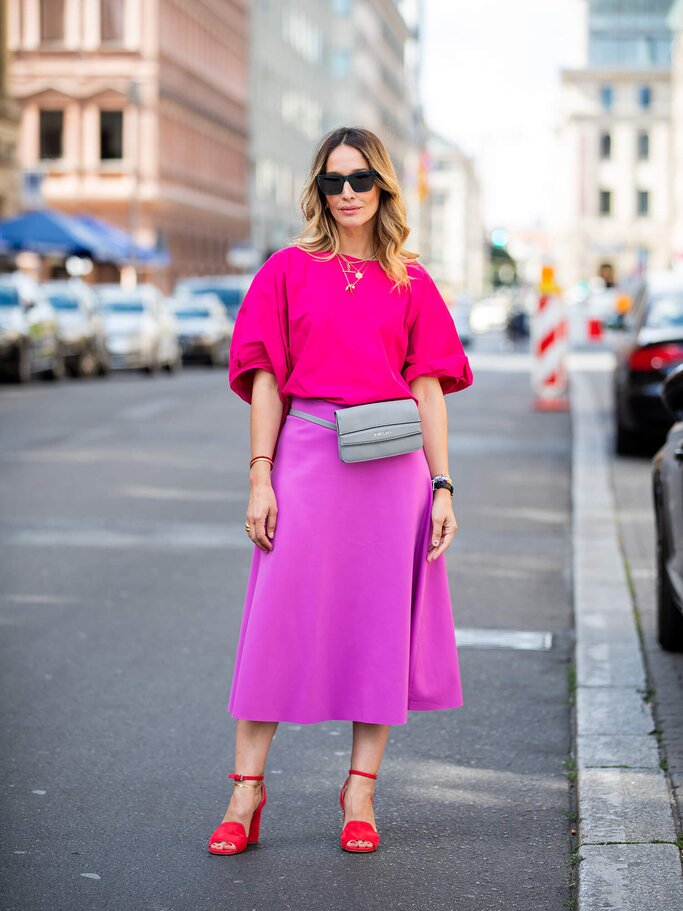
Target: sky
(491,83)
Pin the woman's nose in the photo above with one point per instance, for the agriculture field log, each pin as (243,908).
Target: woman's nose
(347,192)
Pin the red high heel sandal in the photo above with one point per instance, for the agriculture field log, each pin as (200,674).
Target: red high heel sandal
(356,830)
(234,832)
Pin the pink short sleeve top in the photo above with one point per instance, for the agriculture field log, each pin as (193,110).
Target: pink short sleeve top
(320,341)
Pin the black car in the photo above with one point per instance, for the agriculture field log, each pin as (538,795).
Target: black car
(650,346)
(667,478)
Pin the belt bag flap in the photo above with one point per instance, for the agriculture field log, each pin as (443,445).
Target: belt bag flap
(378,428)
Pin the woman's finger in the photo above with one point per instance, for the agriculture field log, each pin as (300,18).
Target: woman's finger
(271,522)
(437,526)
(260,533)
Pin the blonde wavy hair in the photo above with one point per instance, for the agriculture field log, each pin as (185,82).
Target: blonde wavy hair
(390,225)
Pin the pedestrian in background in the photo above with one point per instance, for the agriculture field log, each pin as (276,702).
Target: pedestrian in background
(347,613)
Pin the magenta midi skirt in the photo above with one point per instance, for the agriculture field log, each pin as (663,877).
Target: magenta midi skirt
(344,619)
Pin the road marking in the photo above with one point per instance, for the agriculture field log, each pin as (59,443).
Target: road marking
(177,493)
(522,640)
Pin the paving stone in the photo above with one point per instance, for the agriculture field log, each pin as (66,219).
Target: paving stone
(630,878)
(624,805)
(609,663)
(612,710)
(637,751)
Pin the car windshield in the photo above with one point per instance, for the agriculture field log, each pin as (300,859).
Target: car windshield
(197,313)
(63,301)
(665,310)
(231,298)
(124,305)
(8,296)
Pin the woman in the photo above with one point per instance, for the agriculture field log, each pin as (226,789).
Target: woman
(347,612)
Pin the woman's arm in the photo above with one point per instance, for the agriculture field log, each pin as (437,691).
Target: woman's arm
(432,407)
(265,418)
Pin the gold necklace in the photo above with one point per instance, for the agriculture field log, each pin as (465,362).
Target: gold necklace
(355,270)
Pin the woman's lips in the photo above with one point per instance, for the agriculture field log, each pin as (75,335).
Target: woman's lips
(349,209)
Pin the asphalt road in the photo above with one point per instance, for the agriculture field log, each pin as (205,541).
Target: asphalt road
(124,566)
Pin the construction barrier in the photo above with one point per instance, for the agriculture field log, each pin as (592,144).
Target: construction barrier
(549,345)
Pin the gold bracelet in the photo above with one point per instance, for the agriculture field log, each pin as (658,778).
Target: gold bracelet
(261,459)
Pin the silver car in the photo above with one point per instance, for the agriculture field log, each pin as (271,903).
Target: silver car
(29,331)
(80,326)
(139,327)
(204,329)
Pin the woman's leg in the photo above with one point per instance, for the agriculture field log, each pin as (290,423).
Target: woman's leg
(369,741)
(252,743)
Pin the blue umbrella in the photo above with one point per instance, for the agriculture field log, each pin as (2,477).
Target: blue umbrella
(48,232)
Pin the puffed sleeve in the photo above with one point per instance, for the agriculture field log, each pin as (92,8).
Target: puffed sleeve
(434,346)
(258,339)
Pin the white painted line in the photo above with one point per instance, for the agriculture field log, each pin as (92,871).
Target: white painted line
(522,640)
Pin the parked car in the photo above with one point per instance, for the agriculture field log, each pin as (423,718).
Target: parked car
(667,489)
(460,310)
(29,331)
(139,327)
(229,288)
(649,347)
(80,327)
(204,329)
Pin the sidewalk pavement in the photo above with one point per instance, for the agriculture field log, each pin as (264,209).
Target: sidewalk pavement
(627,835)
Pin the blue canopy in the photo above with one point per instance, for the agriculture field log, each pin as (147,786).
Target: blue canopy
(129,250)
(48,232)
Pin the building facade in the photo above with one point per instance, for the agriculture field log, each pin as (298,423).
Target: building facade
(137,112)
(9,129)
(316,65)
(633,34)
(454,232)
(615,170)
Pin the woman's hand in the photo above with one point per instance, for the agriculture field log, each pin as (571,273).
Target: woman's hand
(262,508)
(444,525)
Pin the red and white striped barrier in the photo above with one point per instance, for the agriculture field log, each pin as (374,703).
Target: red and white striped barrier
(549,344)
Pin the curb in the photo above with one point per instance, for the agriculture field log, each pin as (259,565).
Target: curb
(626,826)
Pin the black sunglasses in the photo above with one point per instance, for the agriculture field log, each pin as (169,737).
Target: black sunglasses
(361,181)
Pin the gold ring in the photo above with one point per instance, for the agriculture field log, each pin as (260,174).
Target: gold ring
(247,526)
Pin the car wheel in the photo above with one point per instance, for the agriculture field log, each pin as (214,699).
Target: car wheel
(626,442)
(58,369)
(669,618)
(23,368)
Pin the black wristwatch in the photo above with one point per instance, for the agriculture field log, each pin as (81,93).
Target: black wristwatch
(442,481)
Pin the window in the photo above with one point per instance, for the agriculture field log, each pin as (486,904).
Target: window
(111,21)
(643,202)
(605,145)
(111,135)
(605,202)
(51,134)
(51,20)
(607,97)
(643,145)
(644,96)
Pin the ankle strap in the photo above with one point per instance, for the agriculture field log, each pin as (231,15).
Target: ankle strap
(246,777)
(364,774)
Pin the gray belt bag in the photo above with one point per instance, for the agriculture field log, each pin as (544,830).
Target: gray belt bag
(374,431)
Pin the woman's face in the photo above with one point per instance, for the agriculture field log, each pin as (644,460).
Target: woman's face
(350,209)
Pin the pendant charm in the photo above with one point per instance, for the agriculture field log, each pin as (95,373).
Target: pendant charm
(359,274)
(349,287)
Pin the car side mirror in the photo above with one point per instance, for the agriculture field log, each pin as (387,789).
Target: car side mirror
(672,392)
